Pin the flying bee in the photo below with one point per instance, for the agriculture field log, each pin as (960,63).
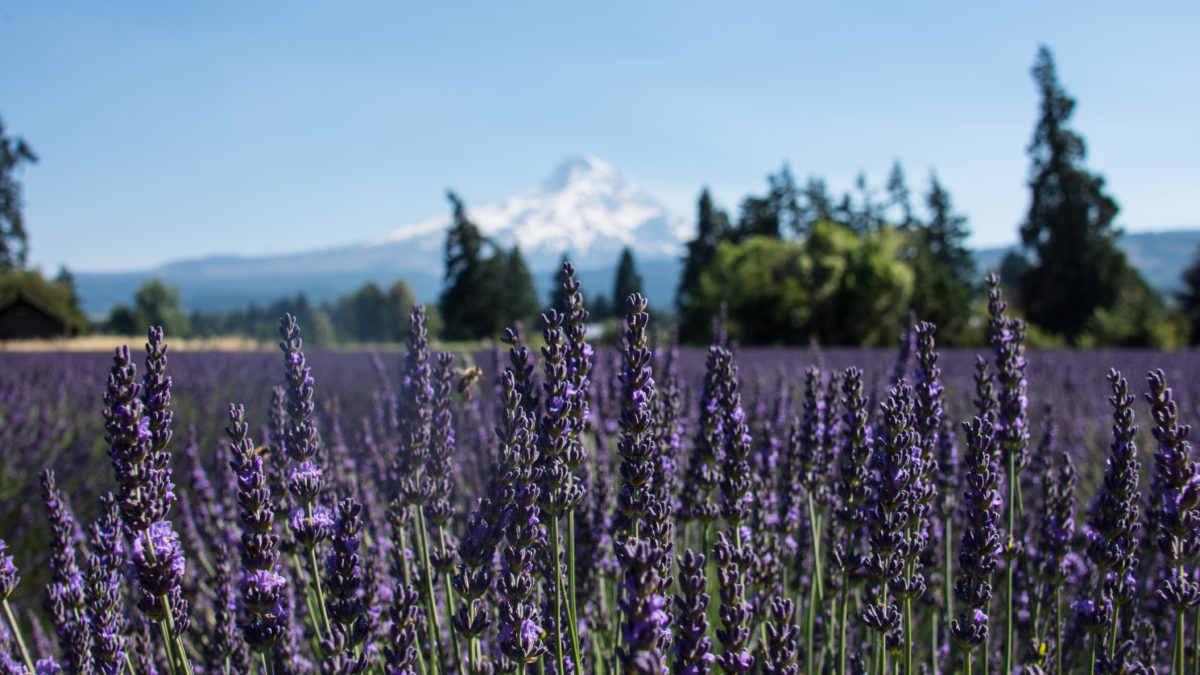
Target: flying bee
(262,451)
(466,378)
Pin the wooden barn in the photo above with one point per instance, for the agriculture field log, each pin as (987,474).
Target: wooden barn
(27,319)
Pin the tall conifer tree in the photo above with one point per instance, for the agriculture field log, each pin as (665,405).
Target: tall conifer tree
(712,227)
(628,280)
(467,304)
(1076,264)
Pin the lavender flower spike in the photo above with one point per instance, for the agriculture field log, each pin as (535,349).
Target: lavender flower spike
(980,552)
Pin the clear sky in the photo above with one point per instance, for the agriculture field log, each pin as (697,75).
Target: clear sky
(169,130)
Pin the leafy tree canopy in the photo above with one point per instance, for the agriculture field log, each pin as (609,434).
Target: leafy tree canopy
(14,152)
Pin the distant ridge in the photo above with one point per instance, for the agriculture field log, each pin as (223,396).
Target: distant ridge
(584,208)
(1160,256)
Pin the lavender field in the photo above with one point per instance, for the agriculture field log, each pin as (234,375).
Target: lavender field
(638,508)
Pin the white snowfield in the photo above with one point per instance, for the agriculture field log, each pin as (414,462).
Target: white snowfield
(584,209)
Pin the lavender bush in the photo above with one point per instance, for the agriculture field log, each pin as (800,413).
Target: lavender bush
(637,508)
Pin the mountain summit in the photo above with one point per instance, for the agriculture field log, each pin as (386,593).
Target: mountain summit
(584,208)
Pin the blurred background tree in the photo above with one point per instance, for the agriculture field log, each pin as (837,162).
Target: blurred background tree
(1076,268)
(628,280)
(14,152)
(486,287)
(835,288)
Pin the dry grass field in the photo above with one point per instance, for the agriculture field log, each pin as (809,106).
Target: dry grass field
(107,343)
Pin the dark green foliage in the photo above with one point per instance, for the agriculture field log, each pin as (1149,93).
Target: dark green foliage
(155,304)
(468,302)
(558,297)
(835,288)
(57,296)
(13,245)
(371,315)
(1139,317)
(776,214)
(486,286)
(1077,268)
(514,287)
(628,281)
(758,219)
(1189,297)
(898,195)
(942,266)
(367,314)
(712,228)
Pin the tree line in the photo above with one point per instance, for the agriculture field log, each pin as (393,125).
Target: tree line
(798,265)
(801,266)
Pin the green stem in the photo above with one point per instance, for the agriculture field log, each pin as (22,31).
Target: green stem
(1092,658)
(168,646)
(947,538)
(316,577)
(845,628)
(1196,644)
(1012,538)
(935,620)
(430,604)
(173,640)
(968,662)
(1112,639)
(908,631)
(449,592)
(16,631)
(883,652)
(573,626)
(1179,642)
(813,525)
(268,664)
(809,620)
(1058,629)
(558,594)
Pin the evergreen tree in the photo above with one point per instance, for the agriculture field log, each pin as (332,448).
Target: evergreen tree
(867,215)
(13,244)
(758,218)
(518,299)
(1189,296)
(776,213)
(948,233)
(942,266)
(785,202)
(898,195)
(818,204)
(712,228)
(1076,268)
(397,308)
(157,304)
(362,314)
(558,297)
(468,302)
(628,280)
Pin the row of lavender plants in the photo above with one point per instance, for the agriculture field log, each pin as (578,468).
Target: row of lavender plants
(626,510)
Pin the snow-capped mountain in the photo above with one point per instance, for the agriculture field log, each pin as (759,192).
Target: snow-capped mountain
(584,208)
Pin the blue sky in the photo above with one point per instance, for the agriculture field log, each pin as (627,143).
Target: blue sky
(169,130)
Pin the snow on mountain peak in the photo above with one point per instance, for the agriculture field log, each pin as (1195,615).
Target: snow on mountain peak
(580,169)
(584,208)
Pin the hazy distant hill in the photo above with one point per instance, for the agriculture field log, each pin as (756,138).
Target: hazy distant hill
(584,208)
(1160,256)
